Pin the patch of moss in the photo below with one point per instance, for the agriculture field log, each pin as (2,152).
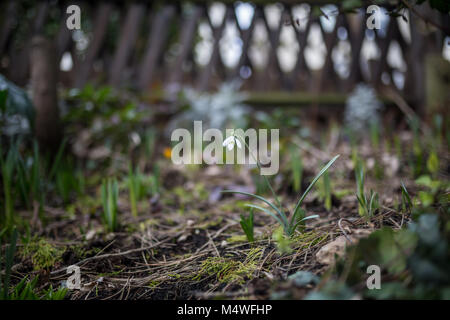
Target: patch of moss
(43,255)
(112,273)
(307,239)
(154,284)
(237,238)
(228,270)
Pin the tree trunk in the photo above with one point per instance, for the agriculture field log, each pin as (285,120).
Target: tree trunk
(43,82)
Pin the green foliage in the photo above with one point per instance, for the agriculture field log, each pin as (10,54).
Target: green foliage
(298,216)
(433,163)
(417,159)
(135,189)
(66,179)
(15,101)
(29,177)
(414,262)
(140,185)
(432,190)
(7,265)
(247,225)
(109,195)
(367,203)
(8,166)
(111,120)
(26,290)
(43,256)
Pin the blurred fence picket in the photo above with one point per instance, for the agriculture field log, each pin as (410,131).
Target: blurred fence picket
(148,48)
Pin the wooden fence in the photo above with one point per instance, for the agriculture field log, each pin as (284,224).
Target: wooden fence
(129,44)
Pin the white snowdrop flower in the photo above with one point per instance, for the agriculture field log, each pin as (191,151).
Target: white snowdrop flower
(231,141)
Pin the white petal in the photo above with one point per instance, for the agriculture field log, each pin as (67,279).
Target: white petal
(228,141)
(230,146)
(238,143)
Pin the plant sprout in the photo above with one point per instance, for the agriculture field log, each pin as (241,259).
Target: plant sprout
(296,169)
(407,203)
(110,194)
(368,203)
(247,225)
(298,217)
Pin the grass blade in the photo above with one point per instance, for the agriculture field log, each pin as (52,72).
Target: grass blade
(324,169)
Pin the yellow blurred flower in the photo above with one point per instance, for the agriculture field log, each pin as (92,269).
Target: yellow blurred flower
(167,153)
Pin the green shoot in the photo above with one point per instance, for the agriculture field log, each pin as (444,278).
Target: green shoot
(414,124)
(297,170)
(406,199)
(375,135)
(154,180)
(57,161)
(36,182)
(325,191)
(359,176)
(67,181)
(24,184)
(437,128)
(260,184)
(247,225)
(109,195)
(26,290)
(9,259)
(367,204)
(8,166)
(433,163)
(135,189)
(149,143)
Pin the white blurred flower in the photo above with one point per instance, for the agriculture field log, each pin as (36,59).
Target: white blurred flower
(222,109)
(362,108)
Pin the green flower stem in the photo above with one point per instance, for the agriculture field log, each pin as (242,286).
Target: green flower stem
(259,167)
